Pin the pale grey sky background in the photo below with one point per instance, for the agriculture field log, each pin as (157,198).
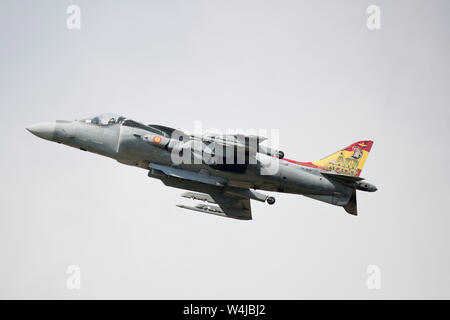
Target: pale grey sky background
(310,68)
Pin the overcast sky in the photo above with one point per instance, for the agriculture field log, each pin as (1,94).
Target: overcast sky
(311,69)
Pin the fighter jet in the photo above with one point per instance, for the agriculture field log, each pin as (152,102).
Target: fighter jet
(226,179)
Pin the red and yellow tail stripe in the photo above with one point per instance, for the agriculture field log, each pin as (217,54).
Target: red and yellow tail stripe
(348,161)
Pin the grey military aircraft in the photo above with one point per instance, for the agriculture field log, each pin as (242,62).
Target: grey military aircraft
(235,165)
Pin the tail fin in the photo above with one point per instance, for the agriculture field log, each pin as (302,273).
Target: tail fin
(348,161)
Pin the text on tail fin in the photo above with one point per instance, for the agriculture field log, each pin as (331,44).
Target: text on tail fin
(348,161)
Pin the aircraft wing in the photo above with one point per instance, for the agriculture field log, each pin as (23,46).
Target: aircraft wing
(230,202)
(188,175)
(227,205)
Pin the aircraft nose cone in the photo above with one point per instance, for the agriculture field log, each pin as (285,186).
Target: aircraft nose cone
(44,130)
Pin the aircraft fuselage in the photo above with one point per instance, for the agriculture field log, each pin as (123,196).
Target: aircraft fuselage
(131,143)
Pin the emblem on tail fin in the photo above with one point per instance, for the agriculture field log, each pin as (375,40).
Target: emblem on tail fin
(348,161)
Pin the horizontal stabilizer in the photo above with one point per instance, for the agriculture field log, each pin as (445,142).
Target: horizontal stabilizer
(342,177)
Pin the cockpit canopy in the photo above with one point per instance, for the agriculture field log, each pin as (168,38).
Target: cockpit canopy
(105,119)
